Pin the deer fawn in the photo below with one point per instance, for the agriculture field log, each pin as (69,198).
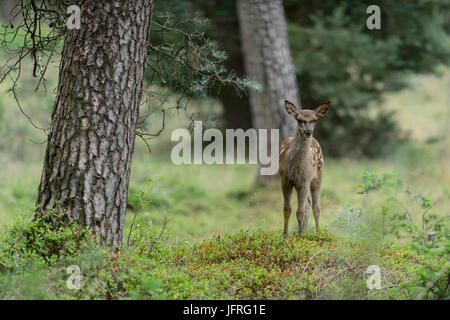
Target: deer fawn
(301,164)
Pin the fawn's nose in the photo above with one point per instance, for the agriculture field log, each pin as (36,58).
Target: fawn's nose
(308,132)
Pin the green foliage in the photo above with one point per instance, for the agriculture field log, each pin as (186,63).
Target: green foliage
(406,217)
(41,240)
(432,282)
(140,199)
(374,181)
(406,223)
(188,62)
(34,256)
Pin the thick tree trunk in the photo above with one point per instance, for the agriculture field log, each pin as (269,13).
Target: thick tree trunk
(90,146)
(268,60)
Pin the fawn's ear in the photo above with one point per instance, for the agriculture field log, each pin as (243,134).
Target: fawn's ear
(322,109)
(291,108)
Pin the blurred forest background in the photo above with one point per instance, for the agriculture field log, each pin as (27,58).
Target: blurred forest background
(390,112)
(386,140)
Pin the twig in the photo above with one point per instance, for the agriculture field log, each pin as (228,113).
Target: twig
(304,269)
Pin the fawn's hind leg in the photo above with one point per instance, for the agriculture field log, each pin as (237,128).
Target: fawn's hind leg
(286,187)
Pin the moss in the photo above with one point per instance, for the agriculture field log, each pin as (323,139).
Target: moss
(243,265)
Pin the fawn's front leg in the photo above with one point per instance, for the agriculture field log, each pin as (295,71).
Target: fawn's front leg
(286,187)
(302,194)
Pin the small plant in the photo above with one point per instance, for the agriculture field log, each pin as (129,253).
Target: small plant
(351,222)
(359,221)
(35,254)
(140,199)
(426,229)
(141,234)
(143,237)
(408,217)
(42,239)
(375,181)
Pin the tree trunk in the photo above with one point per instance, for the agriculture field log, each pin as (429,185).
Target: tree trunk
(88,159)
(268,60)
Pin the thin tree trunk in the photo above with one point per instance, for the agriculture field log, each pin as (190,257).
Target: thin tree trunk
(88,159)
(268,60)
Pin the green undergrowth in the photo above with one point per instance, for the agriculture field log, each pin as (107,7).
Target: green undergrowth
(35,257)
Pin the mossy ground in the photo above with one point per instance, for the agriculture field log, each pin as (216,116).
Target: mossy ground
(244,265)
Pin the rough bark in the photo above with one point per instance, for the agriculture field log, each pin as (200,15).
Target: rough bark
(268,60)
(93,125)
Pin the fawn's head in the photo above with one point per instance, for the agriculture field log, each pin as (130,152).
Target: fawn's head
(306,118)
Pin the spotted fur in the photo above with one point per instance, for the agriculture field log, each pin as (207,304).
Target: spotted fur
(315,152)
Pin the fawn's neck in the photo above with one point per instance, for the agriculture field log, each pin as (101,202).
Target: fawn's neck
(300,149)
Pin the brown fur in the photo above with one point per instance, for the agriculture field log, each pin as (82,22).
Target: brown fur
(301,166)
